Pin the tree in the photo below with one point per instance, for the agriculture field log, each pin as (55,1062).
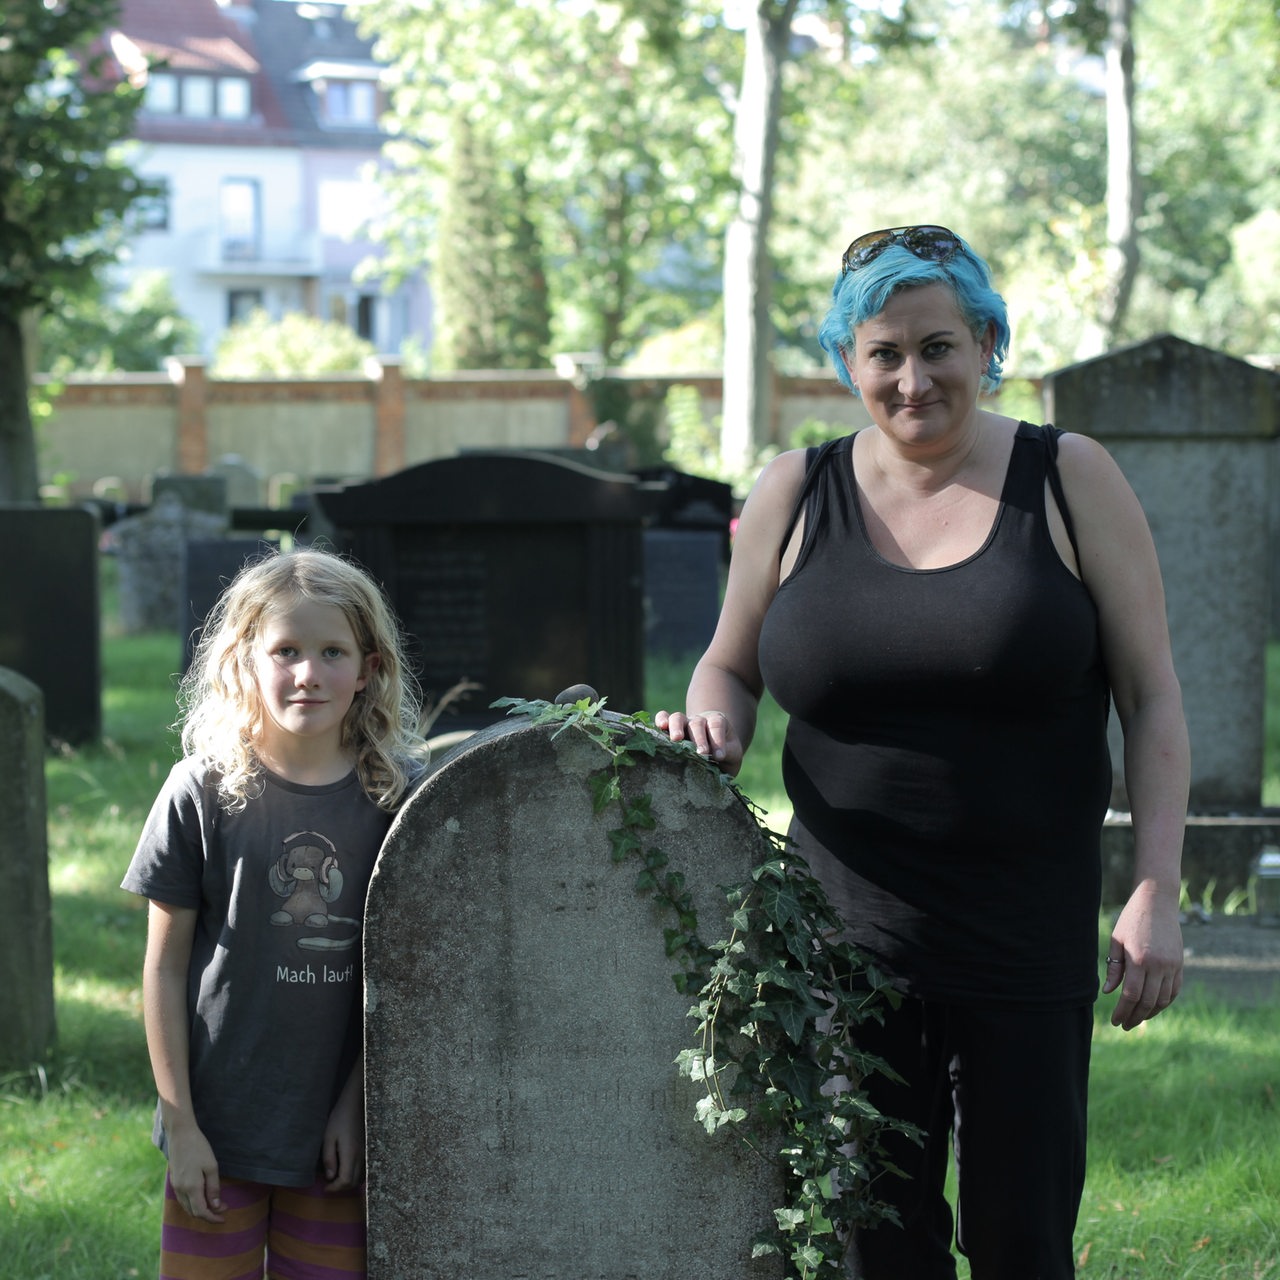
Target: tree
(1124,200)
(490,285)
(65,192)
(748,331)
(619,129)
(135,332)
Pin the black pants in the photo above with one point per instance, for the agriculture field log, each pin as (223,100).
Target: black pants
(1009,1088)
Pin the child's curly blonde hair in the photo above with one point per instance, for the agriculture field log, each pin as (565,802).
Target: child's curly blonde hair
(221,706)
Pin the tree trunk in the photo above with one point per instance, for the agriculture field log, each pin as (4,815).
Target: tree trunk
(19,480)
(1123,194)
(747,421)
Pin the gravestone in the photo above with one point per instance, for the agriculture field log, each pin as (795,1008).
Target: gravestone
(49,613)
(26,941)
(151,550)
(206,492)
(525,1118)
(682,590)
(1193,430)
(512,570)
(209,564)
(244,486)
(686,543)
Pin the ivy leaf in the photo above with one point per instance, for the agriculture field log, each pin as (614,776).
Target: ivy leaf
(623,844)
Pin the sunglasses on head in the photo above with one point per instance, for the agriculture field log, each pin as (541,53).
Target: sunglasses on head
(933,244)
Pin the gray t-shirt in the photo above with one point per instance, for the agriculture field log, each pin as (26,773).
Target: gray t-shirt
(274,987)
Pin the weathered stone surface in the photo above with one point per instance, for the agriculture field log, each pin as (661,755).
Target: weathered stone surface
(1194,432)
(26,942)
(525,1117)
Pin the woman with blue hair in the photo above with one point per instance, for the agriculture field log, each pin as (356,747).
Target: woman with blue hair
(946,603)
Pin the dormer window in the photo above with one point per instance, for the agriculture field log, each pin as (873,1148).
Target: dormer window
(233,98)
(161,94)
(349,102)
(346,93)
(198,97)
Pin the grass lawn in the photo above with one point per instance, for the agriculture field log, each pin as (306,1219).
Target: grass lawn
(1184,1178)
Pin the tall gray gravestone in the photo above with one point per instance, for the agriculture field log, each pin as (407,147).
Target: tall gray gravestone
(1194,432)
(26,941)
(525,1117)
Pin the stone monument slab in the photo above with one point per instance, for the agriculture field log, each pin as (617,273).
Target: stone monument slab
(50,625)
(26,942)
(508,569)
(526,1120)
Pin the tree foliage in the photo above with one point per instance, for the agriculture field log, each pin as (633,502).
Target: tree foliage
(490,286)
(617,125)
(65,191)
(92,333)
(296,345)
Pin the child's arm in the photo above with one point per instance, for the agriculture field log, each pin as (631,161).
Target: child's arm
(343,1151)
(193,1169)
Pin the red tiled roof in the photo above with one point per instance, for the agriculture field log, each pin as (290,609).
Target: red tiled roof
(198,36)
(190,35)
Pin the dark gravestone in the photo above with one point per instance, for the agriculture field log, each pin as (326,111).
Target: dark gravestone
(681,590)
(521,572)
(209,564)
(207,493)
(685,546)
(26,941)
(525,1116)
(49,613)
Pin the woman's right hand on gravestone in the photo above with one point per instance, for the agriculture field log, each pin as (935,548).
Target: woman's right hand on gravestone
(710,731)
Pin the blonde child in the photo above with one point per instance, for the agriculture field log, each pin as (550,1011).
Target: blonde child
(299,735)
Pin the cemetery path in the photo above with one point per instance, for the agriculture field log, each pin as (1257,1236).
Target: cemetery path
(1233,959)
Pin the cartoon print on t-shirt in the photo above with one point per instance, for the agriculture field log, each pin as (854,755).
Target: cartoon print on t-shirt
(307,876)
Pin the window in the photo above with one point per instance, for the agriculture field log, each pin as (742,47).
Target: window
(353,102)
(366,306)
(161,95)
(152,211)
(233,98)
(240,220)
(241,303)
(197,96)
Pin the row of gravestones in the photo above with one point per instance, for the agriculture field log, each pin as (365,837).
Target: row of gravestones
(515,573)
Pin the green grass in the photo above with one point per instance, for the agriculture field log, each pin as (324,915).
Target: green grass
(1184,1178)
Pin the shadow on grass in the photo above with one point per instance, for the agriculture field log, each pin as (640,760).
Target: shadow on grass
(98,1051)
(99,936)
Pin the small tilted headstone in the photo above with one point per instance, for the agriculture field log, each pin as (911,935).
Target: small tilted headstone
(525,1117)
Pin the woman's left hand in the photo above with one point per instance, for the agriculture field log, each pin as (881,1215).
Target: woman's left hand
(1144,960)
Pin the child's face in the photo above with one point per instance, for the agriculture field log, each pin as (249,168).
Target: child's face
(309,668)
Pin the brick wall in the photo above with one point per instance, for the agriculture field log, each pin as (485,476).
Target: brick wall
(111,436)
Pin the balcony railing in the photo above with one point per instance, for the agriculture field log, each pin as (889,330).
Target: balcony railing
(273,253)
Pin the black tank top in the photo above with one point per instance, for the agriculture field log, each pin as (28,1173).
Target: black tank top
(946,753)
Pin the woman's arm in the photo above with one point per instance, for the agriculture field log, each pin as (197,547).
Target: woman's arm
(725,688)
(193,1169)
(1120,568)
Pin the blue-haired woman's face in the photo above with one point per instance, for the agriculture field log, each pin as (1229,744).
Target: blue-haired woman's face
(918,366)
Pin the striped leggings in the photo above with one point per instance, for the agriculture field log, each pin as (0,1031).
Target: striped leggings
(280,1233)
